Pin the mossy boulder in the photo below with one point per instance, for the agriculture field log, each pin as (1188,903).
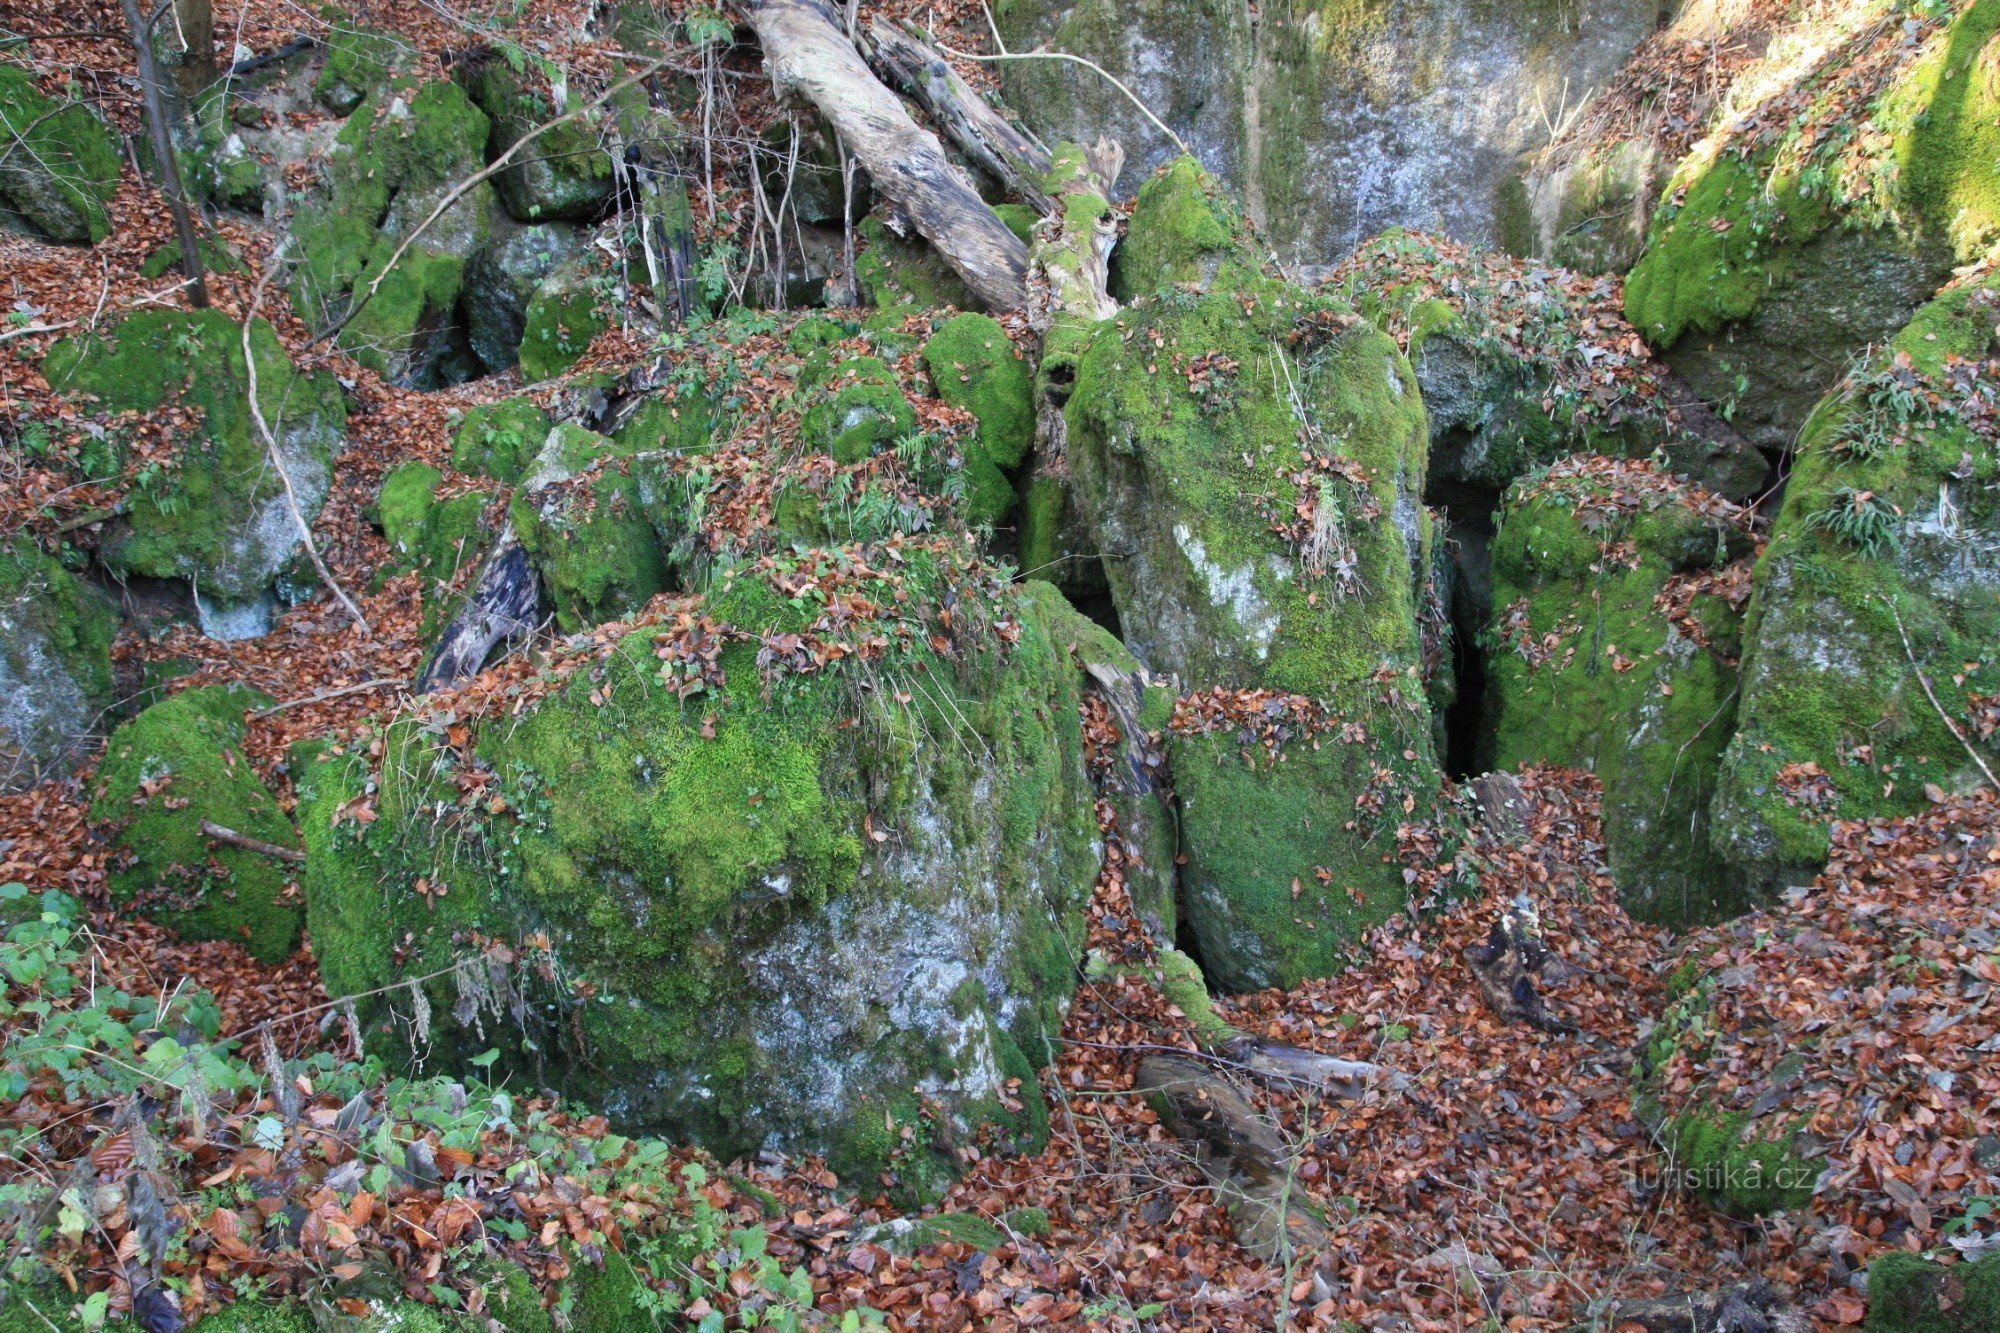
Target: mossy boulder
(1260,536)
(1771,262)
(359,61)
(1588,208)
(502,279)
(772,909)
(175,766)
(905,274)
(560,321)
(973,365)
(564,174)
(1908,1293)
(500,440)
(1882,578)
(55,665)
(581,518)
(858,408)
(1186,230)
(1614,649)
(216,514)
(436,539)
(60,167)
(400,153)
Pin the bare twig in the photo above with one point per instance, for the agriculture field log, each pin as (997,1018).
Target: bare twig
(249,844)
(271,447)
(325,695)
(1931,694)
(27,329)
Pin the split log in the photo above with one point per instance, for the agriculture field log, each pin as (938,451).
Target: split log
(1246,1160)
(996,144)
(501,609)
(1748,1307)
(809,56)
(1505,967)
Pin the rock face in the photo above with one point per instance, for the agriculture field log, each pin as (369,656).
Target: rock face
(165,772)
(55,665)
(60,164)
(1775,256)
(502,279)
(580,516)
(1615,645)
(782,910)
(974,365)
(1336,120)
(216,514)
(1199,425)
(1880,579)
(563,174)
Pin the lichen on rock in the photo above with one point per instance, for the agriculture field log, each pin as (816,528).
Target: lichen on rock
(60,164)
(974,365)
(55,665)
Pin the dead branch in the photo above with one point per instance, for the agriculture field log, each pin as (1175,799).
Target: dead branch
(502,608)
(324,695)
(164,160)
(1006,151)
(249,844)
(278,462)
(809,56)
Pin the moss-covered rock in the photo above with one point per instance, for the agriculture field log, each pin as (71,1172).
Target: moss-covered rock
(217,513)
(1910,1294)
(178,764)
(402,150)
(564,174)
(502,279)
(1614,650)
(560,321)
(1772,260)
(359,61)
(772,910)
(580,516)
(859,407)
(55,665)
(500,440)
(1257,498)
(60,165)
(973,364)
(436,539)
(1187,229)
(906,274)
(1882,577)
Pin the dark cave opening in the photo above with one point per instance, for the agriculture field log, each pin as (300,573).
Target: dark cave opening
(1466,510)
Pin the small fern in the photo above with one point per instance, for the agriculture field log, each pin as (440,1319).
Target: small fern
(1862,519)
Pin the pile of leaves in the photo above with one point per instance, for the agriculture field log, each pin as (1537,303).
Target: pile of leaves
(1859,1016)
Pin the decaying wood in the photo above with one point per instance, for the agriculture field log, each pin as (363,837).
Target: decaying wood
(218,832)
(502,608)
(1244,1157)
(808,55)
(1069,269)
(1505,966)
(1003,149)
(1747,1307)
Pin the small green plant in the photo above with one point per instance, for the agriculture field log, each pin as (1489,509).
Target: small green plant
(1860,518)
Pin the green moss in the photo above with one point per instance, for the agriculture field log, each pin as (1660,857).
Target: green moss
(392,163)
(911,1235)
(1724,235)
(675,423)
(435,539)
(1044,503)
(1028,1222)
(563,173)
(1625,692)
(1834,722)
(860,407)
(588,532)
(1020,219)
(217,514)
(1726,1160)
(500,440)
(973,363)
(1910,1294)
(904,274)
(61,164)
(55,661)
(1163,453)
(1185,229)
(166,771)
(561,321)
(359,61)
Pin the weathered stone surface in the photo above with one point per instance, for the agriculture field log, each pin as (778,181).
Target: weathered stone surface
(562,174)
(55,665)
(501,281)
(58,163)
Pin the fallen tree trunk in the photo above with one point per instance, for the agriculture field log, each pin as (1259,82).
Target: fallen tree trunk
(809,56)
(999,146)
(1244,1157)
